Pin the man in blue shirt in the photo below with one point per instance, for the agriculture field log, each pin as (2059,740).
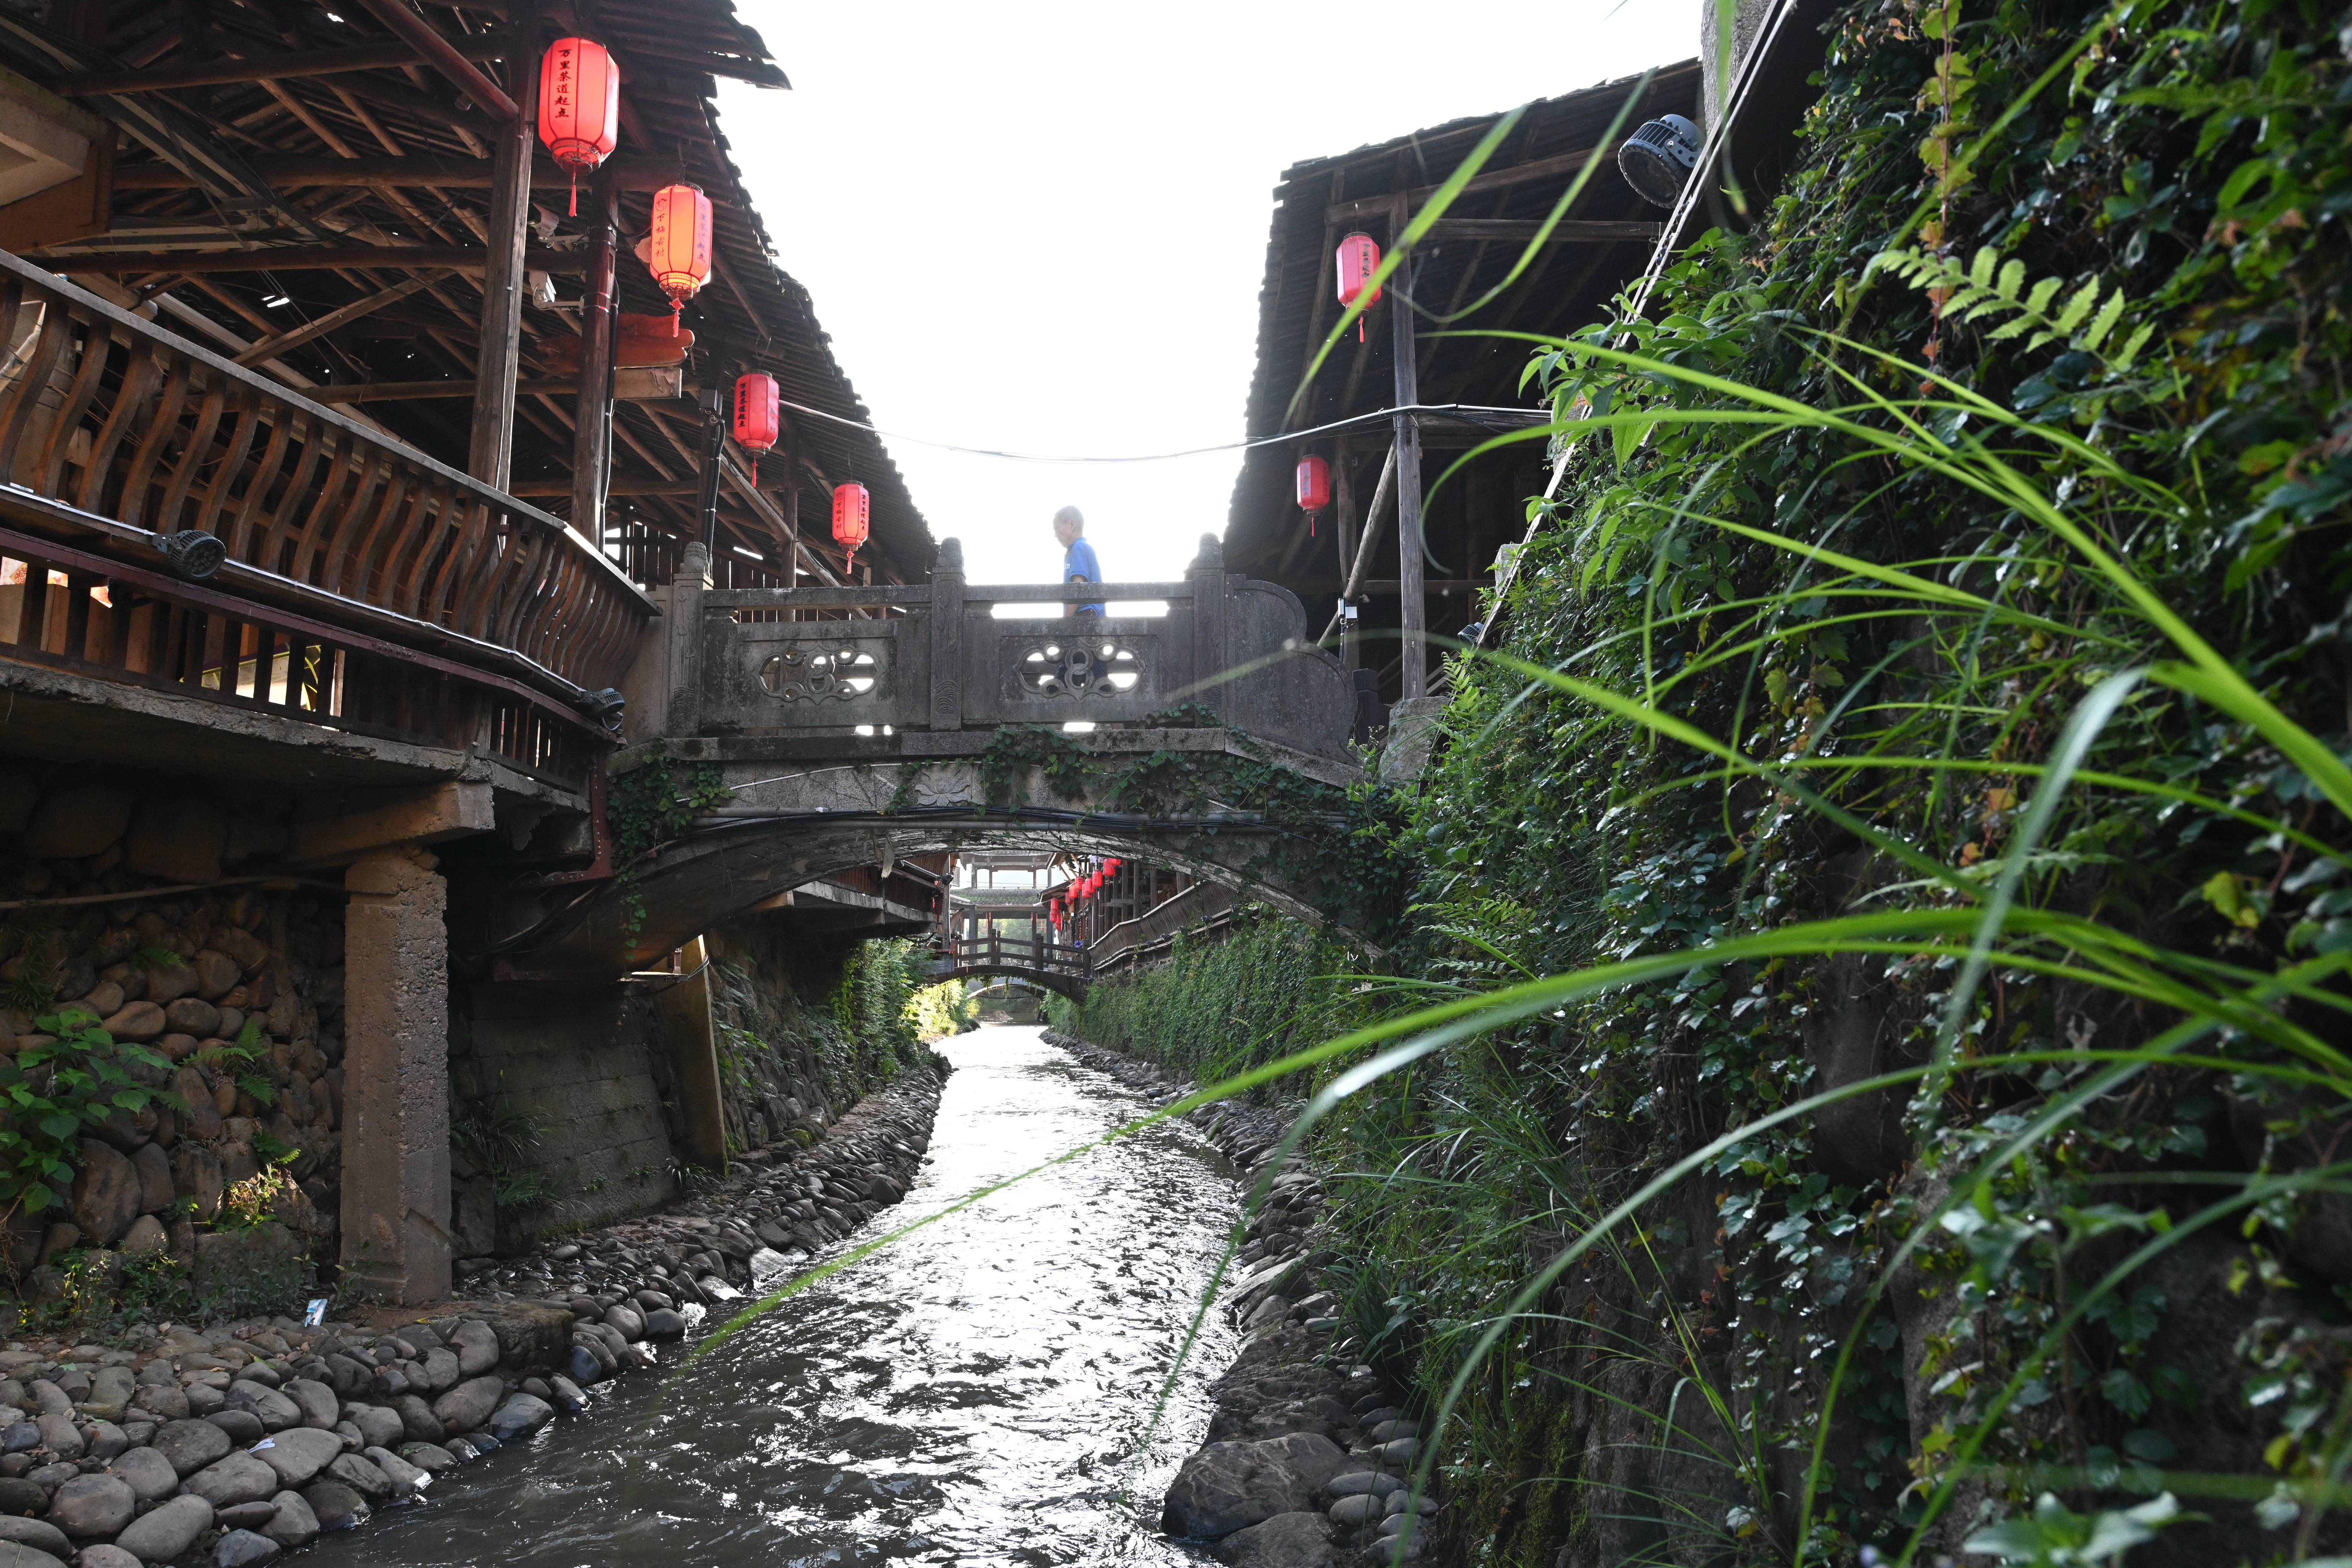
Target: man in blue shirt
(1078,563)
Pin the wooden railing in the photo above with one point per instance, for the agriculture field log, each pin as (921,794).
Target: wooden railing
(362,577)
(1015,955)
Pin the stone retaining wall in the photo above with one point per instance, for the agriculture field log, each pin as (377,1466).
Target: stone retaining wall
(584,1066)
(249,1439)
(239,987)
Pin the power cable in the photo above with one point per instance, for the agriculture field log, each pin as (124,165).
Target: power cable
(1468,413)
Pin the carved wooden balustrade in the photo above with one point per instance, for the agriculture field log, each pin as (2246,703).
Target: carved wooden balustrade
(364,585)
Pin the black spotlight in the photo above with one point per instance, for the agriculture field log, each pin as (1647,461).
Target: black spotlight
(1658,158)
(191,554)
(606,707)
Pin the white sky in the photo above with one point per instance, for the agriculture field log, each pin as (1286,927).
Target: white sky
(1041,227)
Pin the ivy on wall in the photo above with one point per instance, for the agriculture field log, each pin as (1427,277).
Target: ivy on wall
(2102,244)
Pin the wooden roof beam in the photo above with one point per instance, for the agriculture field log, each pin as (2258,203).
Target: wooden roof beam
(1492,180)
(1569,231)
(445,174)
(306,258)
(445,58)
(274,68)
(271,348)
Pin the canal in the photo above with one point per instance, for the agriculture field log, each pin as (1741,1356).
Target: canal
(981,1392)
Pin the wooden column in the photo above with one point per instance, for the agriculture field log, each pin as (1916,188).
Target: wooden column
(1344,495)
(791,499)
(490,456)
(591,429)
(1413,606)
(684,1011)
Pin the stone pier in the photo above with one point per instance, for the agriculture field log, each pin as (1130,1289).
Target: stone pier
(396,1094)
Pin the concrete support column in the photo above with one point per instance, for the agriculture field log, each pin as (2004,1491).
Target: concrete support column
(396,1078)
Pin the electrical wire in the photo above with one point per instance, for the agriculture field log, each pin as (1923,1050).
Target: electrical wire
(1468,413)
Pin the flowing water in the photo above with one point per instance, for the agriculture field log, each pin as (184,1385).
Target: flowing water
(981,1392)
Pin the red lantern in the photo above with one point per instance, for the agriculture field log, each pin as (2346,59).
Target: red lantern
(1314,484)
(579,106)
(678,255)
(851,509)
(759,418)
(1360,258)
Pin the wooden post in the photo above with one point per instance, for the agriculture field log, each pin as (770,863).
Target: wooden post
(591,416)
(1344,494)
(791,499)
(490,456)
(714,457)
(684,1011)
(1413,611)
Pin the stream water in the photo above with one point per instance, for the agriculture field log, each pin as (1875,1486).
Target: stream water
(979,1392)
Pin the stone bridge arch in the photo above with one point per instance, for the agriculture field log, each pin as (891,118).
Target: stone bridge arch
(1214,739)
(1224,808)
(1061,984)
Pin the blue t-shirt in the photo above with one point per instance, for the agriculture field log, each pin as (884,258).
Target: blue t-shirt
(1080,565)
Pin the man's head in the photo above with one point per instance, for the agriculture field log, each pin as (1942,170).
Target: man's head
(1068,524)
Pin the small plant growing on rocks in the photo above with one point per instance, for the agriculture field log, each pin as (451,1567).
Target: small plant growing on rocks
(254,1200)
(107,1292)
(54,1089)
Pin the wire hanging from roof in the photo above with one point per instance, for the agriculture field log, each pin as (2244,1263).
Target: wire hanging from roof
(1468,413)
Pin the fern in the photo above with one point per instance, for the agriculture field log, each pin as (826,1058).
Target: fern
(1990,287)
(156,956)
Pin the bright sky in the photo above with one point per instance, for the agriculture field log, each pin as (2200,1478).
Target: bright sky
(1041,227)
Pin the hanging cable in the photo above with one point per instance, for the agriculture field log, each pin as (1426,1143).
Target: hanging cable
(1468,413)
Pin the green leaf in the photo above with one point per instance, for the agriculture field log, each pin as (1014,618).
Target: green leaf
(60,1125)
(2012,278)
(2105,321)
(1981,274)
(2078,306)
(2125,357)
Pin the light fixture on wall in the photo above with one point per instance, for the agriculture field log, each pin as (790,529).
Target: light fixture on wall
(1657,159)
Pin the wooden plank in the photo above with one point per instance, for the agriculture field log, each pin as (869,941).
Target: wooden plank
(270,348)
(276,67)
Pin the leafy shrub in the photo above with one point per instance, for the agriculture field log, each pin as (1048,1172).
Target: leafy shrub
(54,1091)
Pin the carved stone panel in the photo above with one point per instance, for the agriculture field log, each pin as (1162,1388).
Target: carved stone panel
(1078,668)
(821,672)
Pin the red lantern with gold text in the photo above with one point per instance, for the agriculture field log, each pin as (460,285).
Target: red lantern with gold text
(1360,258)
(579,106)
(851,509)
(1314,489)
(679,254)
(759,416)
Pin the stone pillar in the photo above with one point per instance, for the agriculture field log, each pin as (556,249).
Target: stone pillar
(396,1078)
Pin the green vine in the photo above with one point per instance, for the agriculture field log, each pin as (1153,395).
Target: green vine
(646,808)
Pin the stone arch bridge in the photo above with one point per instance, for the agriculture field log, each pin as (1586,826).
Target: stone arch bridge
(1212,739)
